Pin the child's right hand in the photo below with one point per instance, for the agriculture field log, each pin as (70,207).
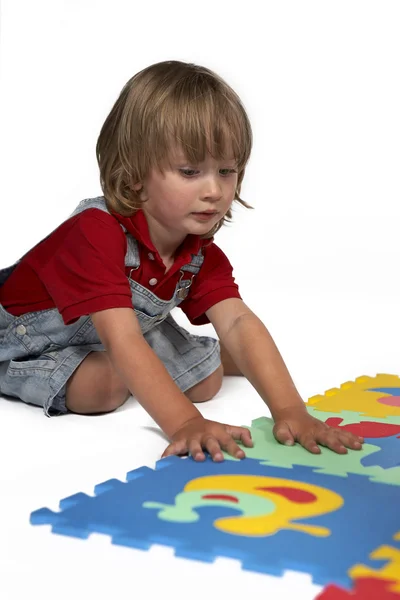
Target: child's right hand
(199,434)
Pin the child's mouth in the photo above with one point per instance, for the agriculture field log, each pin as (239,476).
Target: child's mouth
(204,216)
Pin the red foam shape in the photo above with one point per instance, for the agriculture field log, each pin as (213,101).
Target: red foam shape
(224,497)
(366,429)
(390,400)
(292,494)
(366,588)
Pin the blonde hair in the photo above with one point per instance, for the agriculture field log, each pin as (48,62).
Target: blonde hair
(168,104)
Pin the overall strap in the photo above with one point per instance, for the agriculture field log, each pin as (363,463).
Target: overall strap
(132,258)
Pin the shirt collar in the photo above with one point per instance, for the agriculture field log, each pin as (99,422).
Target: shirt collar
(137,225)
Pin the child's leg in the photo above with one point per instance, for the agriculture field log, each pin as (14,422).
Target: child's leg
(95,387)
(207,388)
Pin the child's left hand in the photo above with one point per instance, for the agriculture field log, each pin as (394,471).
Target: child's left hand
(296,425)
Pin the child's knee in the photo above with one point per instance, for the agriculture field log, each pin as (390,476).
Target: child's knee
(208,388)
(95,387)
(97,404)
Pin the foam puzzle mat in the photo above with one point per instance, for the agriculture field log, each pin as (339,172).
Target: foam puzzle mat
(333,516)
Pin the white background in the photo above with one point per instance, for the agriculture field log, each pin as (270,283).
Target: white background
(317,259)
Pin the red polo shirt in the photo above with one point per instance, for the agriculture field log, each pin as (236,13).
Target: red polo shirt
(80,269)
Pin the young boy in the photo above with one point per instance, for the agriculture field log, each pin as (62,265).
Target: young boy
(85,315)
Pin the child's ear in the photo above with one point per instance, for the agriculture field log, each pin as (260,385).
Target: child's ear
(139,188)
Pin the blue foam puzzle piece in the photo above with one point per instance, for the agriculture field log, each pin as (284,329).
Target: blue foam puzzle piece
(367,519)
(389,454)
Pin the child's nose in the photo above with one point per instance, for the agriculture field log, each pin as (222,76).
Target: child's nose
(212,189)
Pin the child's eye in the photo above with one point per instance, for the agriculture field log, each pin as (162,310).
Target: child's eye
(187,172)
(191,172)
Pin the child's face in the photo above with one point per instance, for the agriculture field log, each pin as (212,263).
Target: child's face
(178,198)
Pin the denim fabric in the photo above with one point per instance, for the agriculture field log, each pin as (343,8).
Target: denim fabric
(39,353)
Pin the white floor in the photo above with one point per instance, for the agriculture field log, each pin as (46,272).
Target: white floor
(44,460)
(317,260)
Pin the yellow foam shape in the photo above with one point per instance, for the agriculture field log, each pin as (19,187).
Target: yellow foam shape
(390,572)
(286,511)
(353,396)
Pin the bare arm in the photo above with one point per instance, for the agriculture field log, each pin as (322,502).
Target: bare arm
(141,370)
(146,377)
(253,350)
(257,356)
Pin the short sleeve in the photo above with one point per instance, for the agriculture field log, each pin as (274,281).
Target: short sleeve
(214,282)
(83,269)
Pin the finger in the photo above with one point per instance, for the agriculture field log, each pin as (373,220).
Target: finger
(331,438)
(175,448)
(348,439)
(339,440)
(283,434)
(195,450)
(213,448)
(246,439)
(241,434)
(231,447)
(309,443)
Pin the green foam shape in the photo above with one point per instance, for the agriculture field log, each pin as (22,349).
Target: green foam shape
(270,452)
(348,417)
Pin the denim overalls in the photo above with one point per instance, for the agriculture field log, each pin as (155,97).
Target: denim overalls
(39,353)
